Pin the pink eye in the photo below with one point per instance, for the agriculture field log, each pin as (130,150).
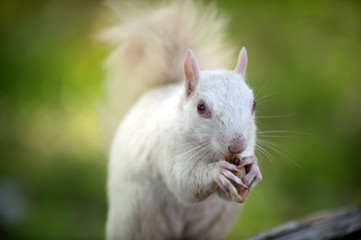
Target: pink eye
(254,106)
(202,109)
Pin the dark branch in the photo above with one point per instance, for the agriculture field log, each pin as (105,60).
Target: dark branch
(342,224)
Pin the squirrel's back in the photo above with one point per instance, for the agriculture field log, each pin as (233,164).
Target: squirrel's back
(150,44)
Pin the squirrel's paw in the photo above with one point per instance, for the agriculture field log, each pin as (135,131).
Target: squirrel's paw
(226,176)
(253,174)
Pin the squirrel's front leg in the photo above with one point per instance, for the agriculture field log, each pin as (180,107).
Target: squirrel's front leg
(228,181)
(194,181)
(221,176)
(225,178)
(253,175)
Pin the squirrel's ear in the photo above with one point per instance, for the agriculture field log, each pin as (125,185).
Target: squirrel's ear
(241,66)
(191,71)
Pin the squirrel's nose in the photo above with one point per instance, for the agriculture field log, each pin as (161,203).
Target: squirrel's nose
(237,145)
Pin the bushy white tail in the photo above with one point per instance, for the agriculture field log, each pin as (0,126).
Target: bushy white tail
(150,45)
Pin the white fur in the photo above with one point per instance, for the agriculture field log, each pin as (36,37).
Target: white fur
(150,44)
(164,160)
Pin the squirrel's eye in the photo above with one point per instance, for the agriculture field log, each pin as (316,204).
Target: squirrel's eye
(254,106)
(202,109)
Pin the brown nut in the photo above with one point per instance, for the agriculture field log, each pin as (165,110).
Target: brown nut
(241,191)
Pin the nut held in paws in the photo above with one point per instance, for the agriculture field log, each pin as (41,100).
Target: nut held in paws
(241,191)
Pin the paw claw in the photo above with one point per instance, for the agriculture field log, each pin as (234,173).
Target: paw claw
(229,175)
(249,160)
(252,177)
(235,181)
(229,186)
(229,166)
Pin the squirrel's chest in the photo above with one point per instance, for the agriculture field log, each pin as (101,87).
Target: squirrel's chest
(196,218)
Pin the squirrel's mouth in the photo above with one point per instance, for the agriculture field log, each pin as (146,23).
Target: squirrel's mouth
(220,155)
(215,156)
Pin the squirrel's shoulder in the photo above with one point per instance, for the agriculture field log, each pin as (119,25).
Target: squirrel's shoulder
(160,94)
(151,103)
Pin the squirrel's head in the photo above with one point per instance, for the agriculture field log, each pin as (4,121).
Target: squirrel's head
(219,107)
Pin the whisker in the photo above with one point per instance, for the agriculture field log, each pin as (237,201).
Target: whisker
(273,146)
(265,152)
(191,150)
(277,116)
(293,132)
(267,155)
(264,101)
(273,136)
(258,123)
(255,97)
(204,152)
(266,96)
(210,152)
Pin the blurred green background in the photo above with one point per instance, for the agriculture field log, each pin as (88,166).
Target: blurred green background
(304,55)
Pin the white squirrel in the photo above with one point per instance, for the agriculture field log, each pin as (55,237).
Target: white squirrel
(168,178)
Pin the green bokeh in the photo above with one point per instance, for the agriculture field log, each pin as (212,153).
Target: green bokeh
(304,55)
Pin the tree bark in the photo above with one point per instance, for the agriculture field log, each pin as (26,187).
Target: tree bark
(342,224)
